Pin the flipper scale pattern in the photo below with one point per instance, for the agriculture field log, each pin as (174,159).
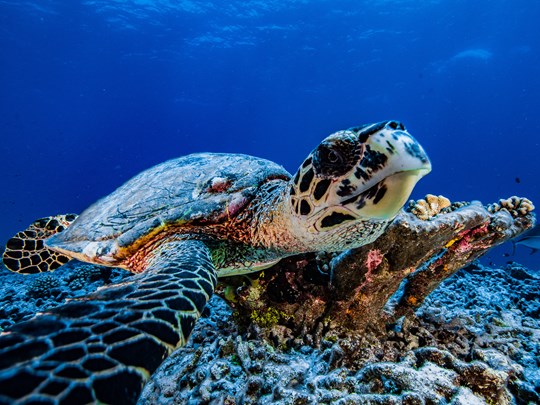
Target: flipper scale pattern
(104,346)
(26,252)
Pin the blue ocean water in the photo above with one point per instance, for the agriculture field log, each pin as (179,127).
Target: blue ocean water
(92,92)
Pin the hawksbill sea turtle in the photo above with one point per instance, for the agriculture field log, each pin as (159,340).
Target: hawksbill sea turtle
(179,226)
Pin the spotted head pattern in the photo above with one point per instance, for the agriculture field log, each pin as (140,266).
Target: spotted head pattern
(362,172)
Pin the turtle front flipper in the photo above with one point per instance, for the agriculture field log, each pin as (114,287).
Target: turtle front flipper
(103,347)
(26,252)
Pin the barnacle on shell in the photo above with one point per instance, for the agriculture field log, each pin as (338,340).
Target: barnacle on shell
(429,206)
(516,206)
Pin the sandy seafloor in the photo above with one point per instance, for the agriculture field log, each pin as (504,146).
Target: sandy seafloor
(475,340)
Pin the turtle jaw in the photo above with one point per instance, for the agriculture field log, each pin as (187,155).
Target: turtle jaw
(380,203)
(389,196)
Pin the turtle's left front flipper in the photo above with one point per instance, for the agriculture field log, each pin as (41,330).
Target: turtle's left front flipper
(104,347)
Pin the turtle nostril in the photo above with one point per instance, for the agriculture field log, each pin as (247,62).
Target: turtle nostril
(396,125)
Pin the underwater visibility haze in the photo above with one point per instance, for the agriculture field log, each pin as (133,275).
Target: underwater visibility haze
(93,92)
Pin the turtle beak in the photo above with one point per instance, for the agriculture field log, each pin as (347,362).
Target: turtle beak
(398,189)
(391,165)
(390,139)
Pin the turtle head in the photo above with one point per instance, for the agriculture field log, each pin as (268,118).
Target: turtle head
(357,175)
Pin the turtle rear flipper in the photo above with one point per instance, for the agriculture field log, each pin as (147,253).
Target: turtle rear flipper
(26,251)
(102,348)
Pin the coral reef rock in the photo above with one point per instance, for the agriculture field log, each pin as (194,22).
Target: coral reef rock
(474,340)
(371,287)
(393,322)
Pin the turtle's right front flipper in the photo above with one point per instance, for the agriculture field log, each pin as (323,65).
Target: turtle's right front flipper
(104,347)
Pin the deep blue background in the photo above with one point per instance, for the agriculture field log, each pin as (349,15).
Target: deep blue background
(92,92)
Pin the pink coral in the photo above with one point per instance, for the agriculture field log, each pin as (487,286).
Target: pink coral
(374,258)
(466,243)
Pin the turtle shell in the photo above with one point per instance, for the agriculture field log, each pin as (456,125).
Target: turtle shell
(195,190)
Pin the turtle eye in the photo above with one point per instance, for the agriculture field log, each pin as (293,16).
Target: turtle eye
(333,160)
(333,157)
(329,156)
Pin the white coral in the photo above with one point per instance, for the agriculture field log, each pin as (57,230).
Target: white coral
(516,206)
(430,206)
